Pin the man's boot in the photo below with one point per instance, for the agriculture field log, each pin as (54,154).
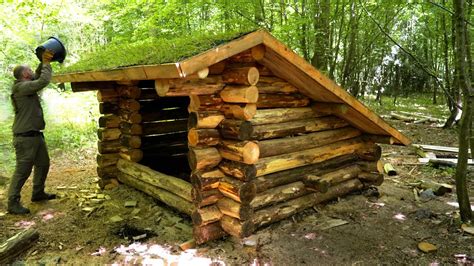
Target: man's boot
(39,177)
(42,196)
(15,207)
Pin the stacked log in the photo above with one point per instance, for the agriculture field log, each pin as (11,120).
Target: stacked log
(108,133)
(168,189)
(203,158)
(130,127)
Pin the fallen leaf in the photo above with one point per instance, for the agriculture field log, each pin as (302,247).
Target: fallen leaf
(427,247)
(468,229)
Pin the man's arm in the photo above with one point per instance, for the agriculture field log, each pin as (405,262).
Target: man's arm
(31,87)
(38,71)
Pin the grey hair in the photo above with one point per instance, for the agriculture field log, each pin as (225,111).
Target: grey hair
(18,71)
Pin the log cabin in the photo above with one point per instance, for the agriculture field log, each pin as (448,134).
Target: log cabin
(238,136)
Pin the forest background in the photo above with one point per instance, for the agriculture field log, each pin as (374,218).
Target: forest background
(381,52)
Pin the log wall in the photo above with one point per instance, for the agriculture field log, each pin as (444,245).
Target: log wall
(233,146)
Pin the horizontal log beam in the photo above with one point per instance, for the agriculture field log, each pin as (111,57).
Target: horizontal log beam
(286,209)
(206,215)
(209,232)
(279,194)
(235,227)
(202,198)
(239,94)
(162,195)
(240,111)
(266,182)
(237,190)
(169,183)
(241,151)
(308,141)
(282,162)
(210,119)
(206,180)
(281,115)
(235,209)
(205,158)
(282,100)
(241,171)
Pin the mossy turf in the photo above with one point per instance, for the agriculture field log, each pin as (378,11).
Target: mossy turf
(149,52)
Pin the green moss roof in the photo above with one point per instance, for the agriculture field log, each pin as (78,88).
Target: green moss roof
(148,52)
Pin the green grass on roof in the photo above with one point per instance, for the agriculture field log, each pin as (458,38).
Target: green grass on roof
(149,52)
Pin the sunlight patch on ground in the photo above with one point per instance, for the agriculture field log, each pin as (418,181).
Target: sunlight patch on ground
(400,217)
(145,254)
(456,204)
(25,224)
(48,214)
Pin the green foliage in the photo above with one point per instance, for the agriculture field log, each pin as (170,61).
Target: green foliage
(417,103)
(159,51)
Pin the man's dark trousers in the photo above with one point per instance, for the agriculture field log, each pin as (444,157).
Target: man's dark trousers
(30,151)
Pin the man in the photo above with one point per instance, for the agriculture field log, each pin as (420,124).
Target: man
(28,139)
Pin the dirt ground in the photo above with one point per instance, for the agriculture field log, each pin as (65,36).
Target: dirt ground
(383,229)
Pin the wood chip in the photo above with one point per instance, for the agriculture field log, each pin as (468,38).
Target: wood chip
(130,204)
(427,247)
(116,219)
(188,245)
(135,212)
(88,209)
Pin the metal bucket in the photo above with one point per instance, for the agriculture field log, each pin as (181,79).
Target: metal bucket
(55,45)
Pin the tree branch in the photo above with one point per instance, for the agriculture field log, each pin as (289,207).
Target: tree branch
(423,67)
(447,10)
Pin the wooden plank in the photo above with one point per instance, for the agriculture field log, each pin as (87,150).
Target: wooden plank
(313,81)
(146,72)
(438,148)
(221,52)
(448,160)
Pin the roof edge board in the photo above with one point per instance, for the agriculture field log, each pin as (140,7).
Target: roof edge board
(305,67)
(169,70)
(221,52)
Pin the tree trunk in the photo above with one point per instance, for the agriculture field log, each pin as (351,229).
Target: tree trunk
(468,106)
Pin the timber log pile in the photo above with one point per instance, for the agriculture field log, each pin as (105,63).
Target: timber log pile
(269,151)
(258,151)
(119,129)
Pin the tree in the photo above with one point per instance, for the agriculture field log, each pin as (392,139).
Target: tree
(465,79)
